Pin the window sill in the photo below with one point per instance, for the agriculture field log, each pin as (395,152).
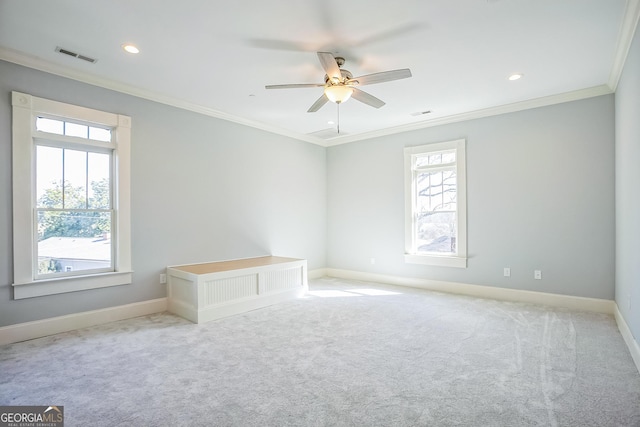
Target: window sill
(442,261)
(70,284)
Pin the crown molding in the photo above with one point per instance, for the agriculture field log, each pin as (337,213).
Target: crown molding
(625,38)
(478,114)
(633,7)
(36,63)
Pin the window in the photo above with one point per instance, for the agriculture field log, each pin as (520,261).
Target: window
(435,204)
(71,203)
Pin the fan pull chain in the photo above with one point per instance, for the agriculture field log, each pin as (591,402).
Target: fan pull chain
(338,121)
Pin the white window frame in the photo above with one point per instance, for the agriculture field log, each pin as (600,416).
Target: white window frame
(411,255)
(26,109)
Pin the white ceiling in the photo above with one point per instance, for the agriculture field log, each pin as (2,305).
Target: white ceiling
(215,57)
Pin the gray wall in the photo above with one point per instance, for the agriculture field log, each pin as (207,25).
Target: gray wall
(202,189)
(628,190)
(540,196)
(540,187)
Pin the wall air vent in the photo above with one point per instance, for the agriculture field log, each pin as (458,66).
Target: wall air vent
(76,55)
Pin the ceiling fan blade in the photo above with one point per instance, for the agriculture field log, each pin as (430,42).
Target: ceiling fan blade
(385,76)
(293,86)
(318,104)
(286,45)
(367,98)
(330,65)
(390,34)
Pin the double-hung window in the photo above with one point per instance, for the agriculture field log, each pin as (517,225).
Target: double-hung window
(435,204)
(71,197)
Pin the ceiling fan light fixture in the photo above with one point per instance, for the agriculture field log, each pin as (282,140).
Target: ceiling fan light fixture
(338,93)
(339,84)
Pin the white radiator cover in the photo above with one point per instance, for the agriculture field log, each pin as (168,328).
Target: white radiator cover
(209,291)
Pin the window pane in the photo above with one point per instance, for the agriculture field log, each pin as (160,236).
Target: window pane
(99,179)
(49,177)
(436,232)
(449,157)
(440,158)
(71,241)
(431,190)
(75,179)
(99,134)
(50,125)
(435,159)
(436,191)
(73,129)
(422,161)
(449,190)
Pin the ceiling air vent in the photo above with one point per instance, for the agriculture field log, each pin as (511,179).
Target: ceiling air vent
(76,55)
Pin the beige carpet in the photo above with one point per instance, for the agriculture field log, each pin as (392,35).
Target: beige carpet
(350,354)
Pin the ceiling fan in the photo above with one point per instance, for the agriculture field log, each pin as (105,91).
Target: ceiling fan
(340,85)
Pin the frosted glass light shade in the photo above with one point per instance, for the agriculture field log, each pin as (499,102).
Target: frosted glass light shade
(338,93)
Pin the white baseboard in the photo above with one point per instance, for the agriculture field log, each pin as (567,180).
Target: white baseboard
(41,328)
(634,347)
(317,273)
(490,292)
(55,325)
(514,295)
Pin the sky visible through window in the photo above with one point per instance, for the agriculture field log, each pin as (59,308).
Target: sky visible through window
(74,167)
(60,127)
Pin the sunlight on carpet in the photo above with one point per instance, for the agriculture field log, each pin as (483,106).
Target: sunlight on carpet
(347,354)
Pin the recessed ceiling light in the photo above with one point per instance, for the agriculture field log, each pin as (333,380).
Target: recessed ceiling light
(130,48)
(516,76)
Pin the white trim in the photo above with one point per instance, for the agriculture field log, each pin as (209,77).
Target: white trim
(317,273)
(458,260)
(63,110)
(55,325)
(478,114)
(489,292)
(632,344)
(625,38)
(29,61)
(20,58)
(61,285)
(22,157)
(24,108)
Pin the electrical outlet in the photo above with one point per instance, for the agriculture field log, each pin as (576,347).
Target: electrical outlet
(507,272)
(537,274)
(163,278)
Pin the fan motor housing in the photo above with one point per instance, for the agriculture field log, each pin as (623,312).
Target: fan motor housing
(346,76)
